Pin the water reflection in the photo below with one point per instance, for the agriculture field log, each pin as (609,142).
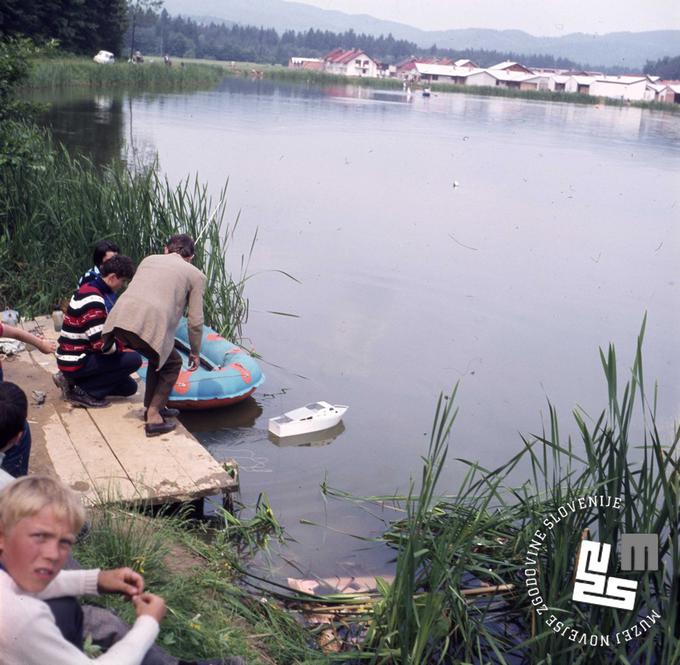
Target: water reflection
(562,233)
(90,124)
(242,414)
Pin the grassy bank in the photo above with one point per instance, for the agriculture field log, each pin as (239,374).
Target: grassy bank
(54,209)
(84,72)
(209,614)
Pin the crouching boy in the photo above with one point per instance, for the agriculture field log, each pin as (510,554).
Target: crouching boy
(39,519)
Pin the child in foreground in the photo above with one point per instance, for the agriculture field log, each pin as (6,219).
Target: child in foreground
(39,520)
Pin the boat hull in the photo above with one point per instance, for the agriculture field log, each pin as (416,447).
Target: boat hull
(227,374)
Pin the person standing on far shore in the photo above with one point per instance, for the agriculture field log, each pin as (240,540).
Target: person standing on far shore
(145,319)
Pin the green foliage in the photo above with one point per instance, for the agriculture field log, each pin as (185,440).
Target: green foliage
(51,218)
(80,27)
(209,616)
(19,140)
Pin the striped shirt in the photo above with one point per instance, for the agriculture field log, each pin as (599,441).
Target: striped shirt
(81,332)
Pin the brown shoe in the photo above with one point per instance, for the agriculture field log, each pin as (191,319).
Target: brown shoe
(156,429)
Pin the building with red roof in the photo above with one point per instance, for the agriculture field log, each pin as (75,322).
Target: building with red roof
(354,62)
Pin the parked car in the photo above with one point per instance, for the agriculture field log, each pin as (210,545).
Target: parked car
(104,58)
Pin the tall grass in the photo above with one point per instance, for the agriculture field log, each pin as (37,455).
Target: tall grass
(73,71)
(209,614)
(51,216)
(459,594)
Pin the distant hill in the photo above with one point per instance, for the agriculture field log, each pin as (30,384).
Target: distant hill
(629,50)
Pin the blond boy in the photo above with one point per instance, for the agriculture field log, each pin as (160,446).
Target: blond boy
(39,519)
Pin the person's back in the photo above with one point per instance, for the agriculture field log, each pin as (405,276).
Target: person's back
(145,318)
(155,299)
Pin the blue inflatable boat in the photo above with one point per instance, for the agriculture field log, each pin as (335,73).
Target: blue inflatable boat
(227,373)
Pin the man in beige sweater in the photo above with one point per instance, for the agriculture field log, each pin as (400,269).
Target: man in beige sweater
(145,318)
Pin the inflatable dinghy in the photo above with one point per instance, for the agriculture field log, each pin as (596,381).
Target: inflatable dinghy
(227,374)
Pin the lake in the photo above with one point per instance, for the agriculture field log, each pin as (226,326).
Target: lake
(561,233)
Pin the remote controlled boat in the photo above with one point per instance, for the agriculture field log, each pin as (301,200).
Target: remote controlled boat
(310,418)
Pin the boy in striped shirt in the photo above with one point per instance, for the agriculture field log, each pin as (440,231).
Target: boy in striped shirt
(88,374)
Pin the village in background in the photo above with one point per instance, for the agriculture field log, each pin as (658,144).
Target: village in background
(507,74)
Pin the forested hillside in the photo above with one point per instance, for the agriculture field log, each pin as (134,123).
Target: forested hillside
(184,37)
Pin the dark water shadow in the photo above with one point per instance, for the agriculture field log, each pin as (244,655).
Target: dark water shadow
(242,414)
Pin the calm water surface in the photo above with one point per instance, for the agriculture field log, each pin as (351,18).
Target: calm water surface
(562,233)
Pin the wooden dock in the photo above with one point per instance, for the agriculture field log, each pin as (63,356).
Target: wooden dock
(104,454)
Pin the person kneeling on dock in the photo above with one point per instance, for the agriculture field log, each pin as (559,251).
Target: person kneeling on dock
(39,520)
(145,318)
(88,372)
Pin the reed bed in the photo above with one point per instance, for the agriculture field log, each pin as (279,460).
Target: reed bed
(460,593)
(83,72)
(52,213)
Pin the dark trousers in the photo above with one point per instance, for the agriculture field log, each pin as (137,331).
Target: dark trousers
(104,374)
(16,458)
(68,615)
(159,380)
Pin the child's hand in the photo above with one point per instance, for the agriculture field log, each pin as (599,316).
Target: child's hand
(46,345)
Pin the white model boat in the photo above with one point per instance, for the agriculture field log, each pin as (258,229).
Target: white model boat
(311,418)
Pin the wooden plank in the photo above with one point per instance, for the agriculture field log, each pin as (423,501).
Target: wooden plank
(111,480)
(65,459)
(161,468)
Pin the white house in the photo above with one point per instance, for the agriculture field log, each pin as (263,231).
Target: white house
(480,77)
(510,66)
(620,87)
(350,63)
(579,83)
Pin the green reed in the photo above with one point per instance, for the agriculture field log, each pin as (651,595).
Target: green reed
(74,71)
(51,216)
(480,534)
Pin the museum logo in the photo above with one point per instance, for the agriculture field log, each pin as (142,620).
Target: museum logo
(593,582)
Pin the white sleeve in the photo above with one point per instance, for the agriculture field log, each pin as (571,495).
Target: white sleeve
(71,583)
(41,642)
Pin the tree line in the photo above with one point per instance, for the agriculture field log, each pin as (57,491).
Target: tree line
(667,68)
(85,27)
(78,26)
(160,33)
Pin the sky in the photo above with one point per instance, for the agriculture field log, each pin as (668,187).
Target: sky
(537,17)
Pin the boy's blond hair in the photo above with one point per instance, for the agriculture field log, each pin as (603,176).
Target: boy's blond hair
(28,495)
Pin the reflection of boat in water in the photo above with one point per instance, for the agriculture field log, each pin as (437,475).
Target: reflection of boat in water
(310,418)
(426,92)
(309,440)
(242,415)
(227,373)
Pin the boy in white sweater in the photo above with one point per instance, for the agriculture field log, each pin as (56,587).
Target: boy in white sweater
(39,519)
